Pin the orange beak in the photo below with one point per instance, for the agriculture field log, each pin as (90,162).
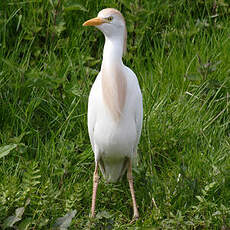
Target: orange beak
(94,22)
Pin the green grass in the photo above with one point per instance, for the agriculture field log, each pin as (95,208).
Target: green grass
(48,62)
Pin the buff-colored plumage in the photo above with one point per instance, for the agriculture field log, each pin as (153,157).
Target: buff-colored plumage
(115,106)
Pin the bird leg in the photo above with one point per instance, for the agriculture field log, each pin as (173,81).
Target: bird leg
(130,179)
(95,184)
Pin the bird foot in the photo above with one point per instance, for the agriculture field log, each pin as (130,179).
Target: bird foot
(92,216)
(135,218)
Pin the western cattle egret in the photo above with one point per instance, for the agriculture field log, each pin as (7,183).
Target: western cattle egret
(115,109)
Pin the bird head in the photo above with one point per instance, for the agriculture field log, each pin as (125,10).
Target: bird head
(111,22)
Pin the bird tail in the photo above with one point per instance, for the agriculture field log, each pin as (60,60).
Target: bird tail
(113,171)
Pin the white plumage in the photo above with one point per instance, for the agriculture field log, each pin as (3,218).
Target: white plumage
(115,106)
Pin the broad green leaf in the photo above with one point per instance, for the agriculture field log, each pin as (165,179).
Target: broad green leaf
(64,222)
(103,214)
(209,186)
(18,138)
(25,224)
(75,7)
(201,199)
(194,77)
(11,220)
(5,150)
(19,212)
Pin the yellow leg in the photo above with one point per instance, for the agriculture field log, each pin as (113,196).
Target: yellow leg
(95,184)
(130,179)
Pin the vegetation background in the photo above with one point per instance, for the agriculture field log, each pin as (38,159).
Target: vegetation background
(180,51)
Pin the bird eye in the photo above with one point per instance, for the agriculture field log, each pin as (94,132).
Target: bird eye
(110,18)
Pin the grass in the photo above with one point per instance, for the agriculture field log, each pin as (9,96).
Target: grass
(179,51)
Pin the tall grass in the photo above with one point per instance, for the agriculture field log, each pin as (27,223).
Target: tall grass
(179,51)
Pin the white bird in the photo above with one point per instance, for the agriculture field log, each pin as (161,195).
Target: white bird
(115,110)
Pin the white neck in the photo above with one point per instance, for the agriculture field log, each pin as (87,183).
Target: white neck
(113,51)
(113,78)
